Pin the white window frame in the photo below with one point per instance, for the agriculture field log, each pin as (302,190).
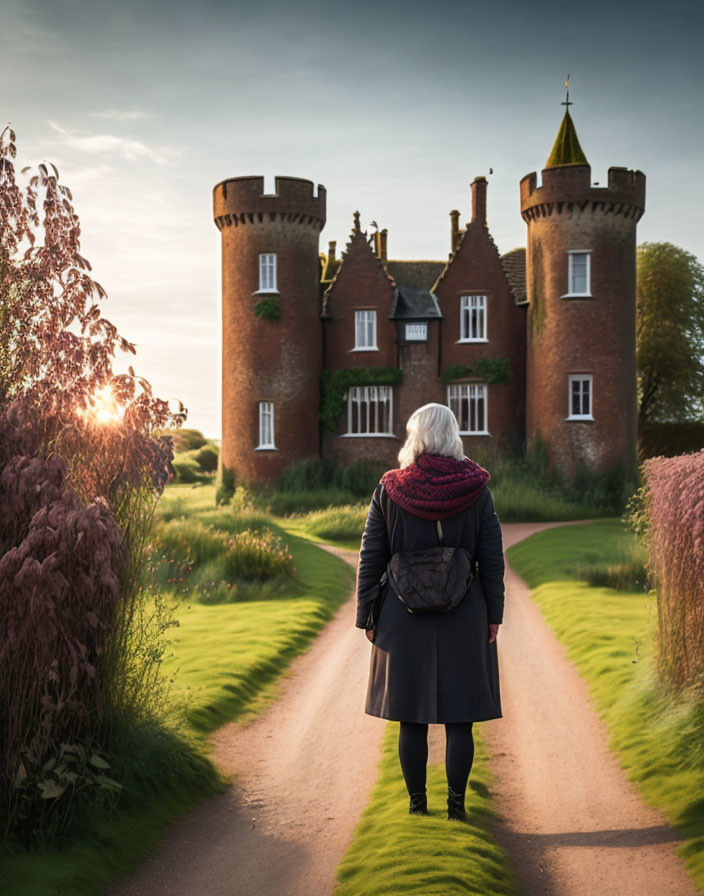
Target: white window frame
(571,293)
(368,397)
(467,306)
(266,426)
(365,330)
(471,392)
(267,272)
(583,377)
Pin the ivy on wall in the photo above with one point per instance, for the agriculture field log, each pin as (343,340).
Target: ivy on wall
(335,383)
(268,308)
(493,370)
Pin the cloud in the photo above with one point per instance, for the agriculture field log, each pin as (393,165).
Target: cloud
(131,150)
(123,114)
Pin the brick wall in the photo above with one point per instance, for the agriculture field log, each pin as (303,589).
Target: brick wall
(278,361)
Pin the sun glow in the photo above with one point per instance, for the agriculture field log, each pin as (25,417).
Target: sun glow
(104,408)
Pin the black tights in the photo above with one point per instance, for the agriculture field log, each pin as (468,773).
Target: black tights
(413,753)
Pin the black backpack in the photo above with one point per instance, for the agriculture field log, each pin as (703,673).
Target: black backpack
(433,580)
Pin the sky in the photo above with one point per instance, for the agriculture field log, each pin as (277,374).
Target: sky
(394,107)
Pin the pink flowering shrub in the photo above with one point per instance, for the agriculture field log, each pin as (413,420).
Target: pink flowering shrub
(79,643)
(673,523)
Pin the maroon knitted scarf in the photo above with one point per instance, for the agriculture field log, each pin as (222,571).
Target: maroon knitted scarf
(436,486)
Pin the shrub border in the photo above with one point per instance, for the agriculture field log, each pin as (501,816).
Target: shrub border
(493,370)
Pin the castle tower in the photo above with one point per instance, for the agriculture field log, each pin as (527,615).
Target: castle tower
(271,329)
(581,325)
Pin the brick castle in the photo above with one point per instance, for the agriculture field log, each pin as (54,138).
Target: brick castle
(327,356)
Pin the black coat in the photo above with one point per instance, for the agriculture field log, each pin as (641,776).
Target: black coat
(432,667)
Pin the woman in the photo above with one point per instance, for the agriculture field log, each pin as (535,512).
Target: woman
(433,668)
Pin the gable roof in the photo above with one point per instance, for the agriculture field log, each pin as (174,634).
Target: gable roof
(358,240)
(415,281)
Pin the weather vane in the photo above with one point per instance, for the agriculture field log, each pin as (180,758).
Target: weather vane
(567,102)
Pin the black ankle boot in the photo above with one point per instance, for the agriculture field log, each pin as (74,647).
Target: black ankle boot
(418,804)
(455,804)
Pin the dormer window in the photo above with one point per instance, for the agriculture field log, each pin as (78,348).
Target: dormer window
(365,330)
(267,272)
(578,273)
(473,319)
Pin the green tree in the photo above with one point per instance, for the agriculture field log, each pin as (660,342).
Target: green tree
(669,334)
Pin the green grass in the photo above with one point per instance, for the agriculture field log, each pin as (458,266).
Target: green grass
(516,497)
(609,637)
(225,662)
(393,852)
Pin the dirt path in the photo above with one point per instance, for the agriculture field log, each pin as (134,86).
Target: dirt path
(305,768)
(572,823)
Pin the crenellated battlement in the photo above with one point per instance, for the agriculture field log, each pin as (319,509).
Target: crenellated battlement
(241,200)
(568,186)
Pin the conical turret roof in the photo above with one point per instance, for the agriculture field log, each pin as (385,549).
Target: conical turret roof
(566,149)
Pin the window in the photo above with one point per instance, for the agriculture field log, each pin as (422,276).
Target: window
(365,329)
(580,397)
(467,401)
(416,332)
(267,272)
(266,424)
(473,319)
(370,411)
(578,274)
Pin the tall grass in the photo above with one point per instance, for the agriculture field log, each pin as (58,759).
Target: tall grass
(219,557)
(338,523)
(672,499)
(622,567)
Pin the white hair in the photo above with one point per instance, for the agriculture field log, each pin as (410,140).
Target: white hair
(432,428)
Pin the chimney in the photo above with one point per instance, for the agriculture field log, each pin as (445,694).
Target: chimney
(454,229)
(479,200)
(331,250)
(380,237)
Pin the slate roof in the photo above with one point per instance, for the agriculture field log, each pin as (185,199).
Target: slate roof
(413,296)
(413,299)
(514,265)
(421,274)
(414,303)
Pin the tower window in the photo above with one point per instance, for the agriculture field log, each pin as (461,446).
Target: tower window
(365,329)
(370,411)
(578,273)
(473,319)
(267,272)
(468,402)
(266,424)
(580,396)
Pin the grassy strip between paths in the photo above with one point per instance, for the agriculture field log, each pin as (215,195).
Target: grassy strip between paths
(225,662)
(609,637)
(396,853)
